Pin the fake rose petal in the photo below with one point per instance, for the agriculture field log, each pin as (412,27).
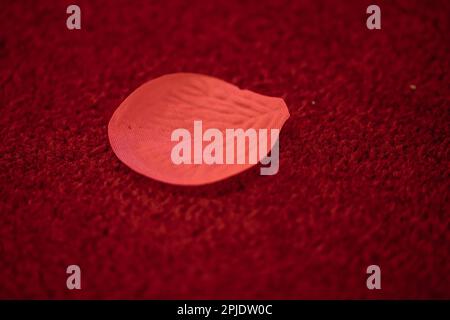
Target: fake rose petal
(141,128)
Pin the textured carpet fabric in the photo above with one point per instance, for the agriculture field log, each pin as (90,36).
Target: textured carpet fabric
(364,156)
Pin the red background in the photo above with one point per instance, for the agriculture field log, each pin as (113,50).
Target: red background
(364,173)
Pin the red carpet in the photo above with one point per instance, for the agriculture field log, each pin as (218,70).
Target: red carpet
(364,157)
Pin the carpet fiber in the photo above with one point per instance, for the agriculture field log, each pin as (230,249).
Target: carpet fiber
(364,157)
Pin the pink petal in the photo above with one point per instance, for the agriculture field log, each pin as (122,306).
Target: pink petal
(141,127)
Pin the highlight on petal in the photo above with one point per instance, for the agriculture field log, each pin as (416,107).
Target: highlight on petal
(192,129)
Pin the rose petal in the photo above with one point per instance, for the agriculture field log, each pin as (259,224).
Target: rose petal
(141,127)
